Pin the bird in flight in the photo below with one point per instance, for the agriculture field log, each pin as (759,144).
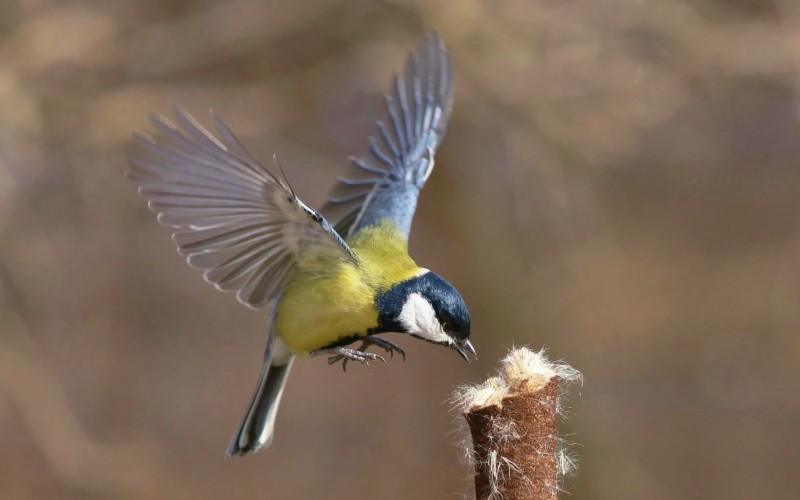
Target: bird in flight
(325,287)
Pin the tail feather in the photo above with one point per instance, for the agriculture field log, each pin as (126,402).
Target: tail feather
(257,427)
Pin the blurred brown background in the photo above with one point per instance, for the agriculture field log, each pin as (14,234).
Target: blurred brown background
(619,183)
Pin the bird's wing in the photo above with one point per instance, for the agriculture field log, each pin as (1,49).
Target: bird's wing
(385,183)
(234,219)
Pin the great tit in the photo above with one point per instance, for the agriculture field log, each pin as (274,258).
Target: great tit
(325,287)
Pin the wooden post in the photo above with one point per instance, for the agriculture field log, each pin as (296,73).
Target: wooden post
(513,422)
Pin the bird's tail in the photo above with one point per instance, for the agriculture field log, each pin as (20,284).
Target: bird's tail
(257,427)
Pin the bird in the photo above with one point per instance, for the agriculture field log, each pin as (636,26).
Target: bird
(325,287)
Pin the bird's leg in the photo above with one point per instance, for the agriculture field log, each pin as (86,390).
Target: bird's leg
(337,353)
(384,344)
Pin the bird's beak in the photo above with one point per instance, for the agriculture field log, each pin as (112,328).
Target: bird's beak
(464,349)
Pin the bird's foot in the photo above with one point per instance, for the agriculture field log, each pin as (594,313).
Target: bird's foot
(339,353)
(384,344)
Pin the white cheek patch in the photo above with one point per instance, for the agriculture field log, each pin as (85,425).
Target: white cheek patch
(419,318)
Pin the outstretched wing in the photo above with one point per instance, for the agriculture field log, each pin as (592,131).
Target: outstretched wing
(385,183)
(234,219)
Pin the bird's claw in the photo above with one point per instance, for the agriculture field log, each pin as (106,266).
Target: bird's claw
(343,353)
(361,355)
(384,344)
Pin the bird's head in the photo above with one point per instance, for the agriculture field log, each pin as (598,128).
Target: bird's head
(429,308)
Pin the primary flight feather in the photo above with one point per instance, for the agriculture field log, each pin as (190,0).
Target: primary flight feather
(386,181)
(327,288)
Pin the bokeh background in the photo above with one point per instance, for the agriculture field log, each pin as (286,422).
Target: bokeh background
(619,184)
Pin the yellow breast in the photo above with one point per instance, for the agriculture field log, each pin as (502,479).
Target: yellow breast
(328,299)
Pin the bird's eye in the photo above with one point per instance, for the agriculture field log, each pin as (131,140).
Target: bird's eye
(446,326)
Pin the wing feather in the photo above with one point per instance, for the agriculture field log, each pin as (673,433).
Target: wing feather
(385,183)
(232,218)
